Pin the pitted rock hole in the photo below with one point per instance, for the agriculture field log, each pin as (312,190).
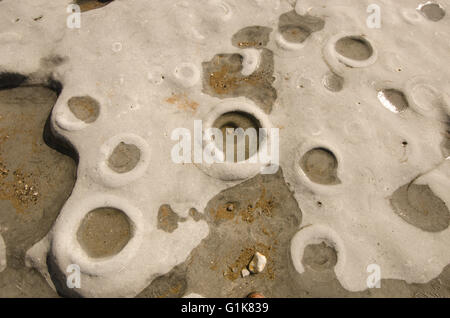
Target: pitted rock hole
(333,82)
(233,121)
(104,232)
(186,72)
(432,11)
(320,257)
(320,165)
(86,5)
(124,158)
(393,99)
(222,78)
(419,206)
(251,37)
(84,108)
(297,28)
(354,47)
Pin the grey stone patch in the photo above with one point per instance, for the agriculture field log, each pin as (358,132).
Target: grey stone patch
(24,283)
(297,28)
(222,78)
(124,158)
(168,219)
(419,206)
(24,222)
(252,37)
(320,165)
(104,232)
(84,108)
(259,215)
(171,285)
(354,47)
(224,212)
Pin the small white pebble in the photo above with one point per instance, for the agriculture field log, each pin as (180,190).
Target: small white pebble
(245,272)
(258,263)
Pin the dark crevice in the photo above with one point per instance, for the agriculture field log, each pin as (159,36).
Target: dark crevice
(59,279)
(11,80)
(50,136)
(58,142)
(54,85)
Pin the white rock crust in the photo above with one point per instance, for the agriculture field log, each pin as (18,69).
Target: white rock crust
(3,263)
(133,80)
(355,217)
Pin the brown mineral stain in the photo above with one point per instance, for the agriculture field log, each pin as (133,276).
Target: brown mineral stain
(168,219)
(196,216)
(3,170)
(226,80)
(262,207)
(182,102)
(21,191)
(223,81)
(16,185)
(224,212)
